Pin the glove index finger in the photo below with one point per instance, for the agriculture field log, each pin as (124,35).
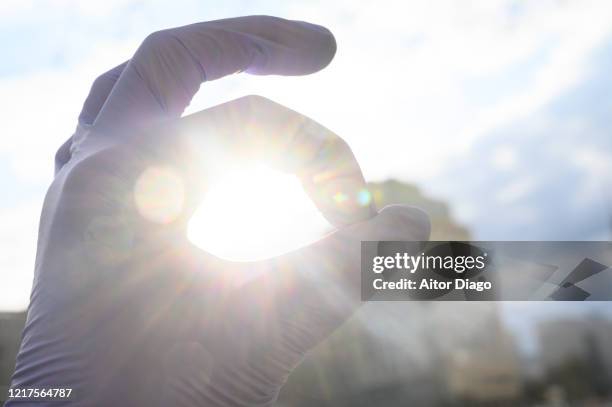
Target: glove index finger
(165,73)
(256,128)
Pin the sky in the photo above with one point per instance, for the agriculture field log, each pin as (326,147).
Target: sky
(499,107)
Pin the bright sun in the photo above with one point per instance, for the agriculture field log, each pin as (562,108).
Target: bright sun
(253,213)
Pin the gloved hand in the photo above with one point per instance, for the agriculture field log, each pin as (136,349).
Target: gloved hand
(124,309)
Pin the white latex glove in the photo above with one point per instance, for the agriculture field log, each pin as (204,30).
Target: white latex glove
(124,309)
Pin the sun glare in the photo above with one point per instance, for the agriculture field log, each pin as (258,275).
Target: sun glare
(254,213)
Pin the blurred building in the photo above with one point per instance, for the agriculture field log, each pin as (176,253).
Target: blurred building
(563,339)
(11,325)
(486,369)
(412,353)
(576,356)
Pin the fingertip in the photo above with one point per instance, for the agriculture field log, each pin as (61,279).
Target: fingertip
(315,41)
(327,47)
(290,47)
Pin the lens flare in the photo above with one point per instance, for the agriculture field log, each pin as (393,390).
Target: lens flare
(340,197)
(159,194)
(364,197)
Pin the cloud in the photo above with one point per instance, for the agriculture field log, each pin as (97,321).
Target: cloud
(504,158)
(515,190)
(554,182)
(18,241)
(419,70)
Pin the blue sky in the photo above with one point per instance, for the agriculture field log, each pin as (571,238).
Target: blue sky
(547,175)
(499,107)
